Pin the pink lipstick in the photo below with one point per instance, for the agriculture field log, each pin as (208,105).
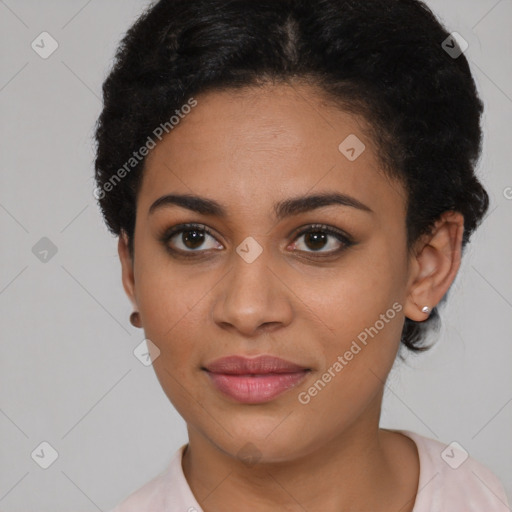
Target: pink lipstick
(254,380)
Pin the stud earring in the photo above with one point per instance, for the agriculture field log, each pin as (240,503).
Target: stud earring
(135,319)
(426,309)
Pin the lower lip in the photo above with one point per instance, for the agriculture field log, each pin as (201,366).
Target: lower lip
(254,389)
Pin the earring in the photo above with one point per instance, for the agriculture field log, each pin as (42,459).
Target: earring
(426,309)
(135,319)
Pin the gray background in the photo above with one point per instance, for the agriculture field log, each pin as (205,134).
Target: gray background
(68,375)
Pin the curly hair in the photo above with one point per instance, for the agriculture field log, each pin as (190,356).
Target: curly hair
(383,59)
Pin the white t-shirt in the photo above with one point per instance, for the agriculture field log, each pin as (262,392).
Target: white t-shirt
(449,481)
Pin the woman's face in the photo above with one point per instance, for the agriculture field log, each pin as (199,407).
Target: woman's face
(256,285)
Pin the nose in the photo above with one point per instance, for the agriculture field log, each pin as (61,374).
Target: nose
(252,298)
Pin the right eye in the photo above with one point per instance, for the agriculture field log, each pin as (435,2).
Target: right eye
(188,238)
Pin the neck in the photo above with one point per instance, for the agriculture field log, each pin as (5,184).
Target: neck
(361,468)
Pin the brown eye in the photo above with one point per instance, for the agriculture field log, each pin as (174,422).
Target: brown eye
(316,240)
(318,237)
(189,238)
(192,239)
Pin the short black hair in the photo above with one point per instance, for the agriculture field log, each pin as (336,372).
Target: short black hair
(383,59)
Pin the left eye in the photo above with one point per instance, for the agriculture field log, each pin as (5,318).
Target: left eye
(316,237)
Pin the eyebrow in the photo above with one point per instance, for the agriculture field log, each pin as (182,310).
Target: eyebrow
(282,209)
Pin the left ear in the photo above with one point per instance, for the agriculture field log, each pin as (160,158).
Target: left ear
(434,265)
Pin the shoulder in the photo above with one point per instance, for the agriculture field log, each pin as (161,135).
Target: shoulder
(451,479)
(166,492)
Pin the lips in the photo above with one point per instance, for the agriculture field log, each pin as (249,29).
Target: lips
(255,380)
(236,365)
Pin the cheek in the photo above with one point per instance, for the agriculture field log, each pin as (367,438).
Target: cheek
(354,295)
(360,309)
(165,293)
(167,303)
(363,330)
(357,360)
(171,322)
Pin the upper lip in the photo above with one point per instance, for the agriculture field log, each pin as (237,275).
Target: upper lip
(238,365)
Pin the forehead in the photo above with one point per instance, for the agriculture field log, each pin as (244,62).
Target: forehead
(257,146)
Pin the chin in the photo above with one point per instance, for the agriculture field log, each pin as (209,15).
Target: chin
(264,444)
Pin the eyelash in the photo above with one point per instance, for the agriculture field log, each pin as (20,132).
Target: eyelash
(168,234)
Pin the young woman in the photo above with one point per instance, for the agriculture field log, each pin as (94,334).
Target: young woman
(292,183)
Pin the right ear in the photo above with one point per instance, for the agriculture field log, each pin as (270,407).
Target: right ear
(127,268)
